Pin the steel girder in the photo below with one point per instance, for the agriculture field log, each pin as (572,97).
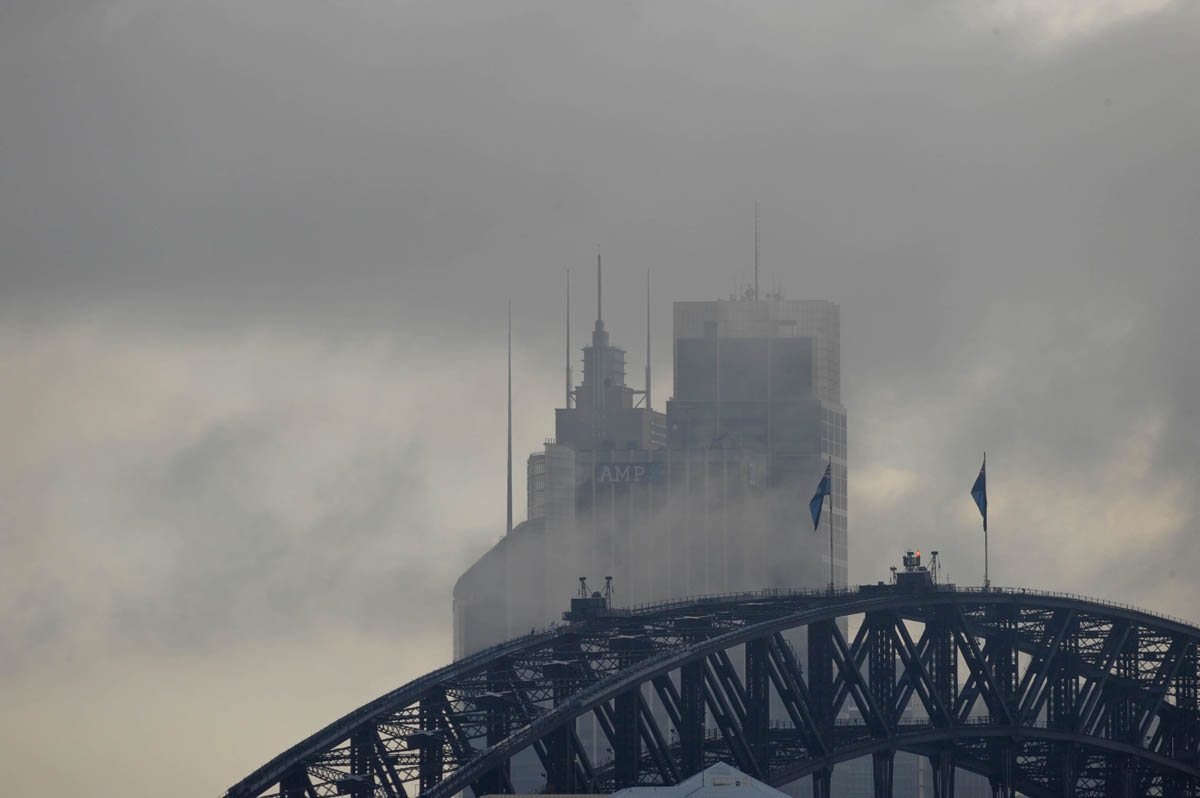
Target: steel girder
(1043,694)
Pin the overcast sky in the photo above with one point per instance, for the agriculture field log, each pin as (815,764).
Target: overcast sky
(254,258)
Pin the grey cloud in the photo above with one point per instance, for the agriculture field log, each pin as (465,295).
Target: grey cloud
(354,562)
(183,528)
(1008,226)
(403,161)
(397,168)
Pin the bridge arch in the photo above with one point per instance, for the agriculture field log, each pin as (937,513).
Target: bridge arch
(1044,693)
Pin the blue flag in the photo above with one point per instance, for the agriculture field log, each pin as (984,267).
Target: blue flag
(818,499)
(979,491)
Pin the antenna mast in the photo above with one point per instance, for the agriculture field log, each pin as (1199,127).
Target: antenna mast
(508,526)
(647,339)
(568,401)
(599,365)
(756,250)
(599,315)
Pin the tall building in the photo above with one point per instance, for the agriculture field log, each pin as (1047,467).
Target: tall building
(755,418)
(711,496)
(592,494)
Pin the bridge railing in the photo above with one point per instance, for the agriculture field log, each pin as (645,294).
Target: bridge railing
(818,593)
(1078,597)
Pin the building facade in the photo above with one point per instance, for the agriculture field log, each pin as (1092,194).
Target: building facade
(755,418)
(710,497)
(592,494)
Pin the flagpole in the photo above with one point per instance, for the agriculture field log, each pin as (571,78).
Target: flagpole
(817,504)
(987,583)
(831,526)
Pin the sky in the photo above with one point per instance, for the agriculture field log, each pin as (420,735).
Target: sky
(255,259)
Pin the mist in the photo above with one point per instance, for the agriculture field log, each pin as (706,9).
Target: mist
(253,282)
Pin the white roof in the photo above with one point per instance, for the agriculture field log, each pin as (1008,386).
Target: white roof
(719,781)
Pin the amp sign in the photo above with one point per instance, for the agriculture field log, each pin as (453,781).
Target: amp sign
(628,473)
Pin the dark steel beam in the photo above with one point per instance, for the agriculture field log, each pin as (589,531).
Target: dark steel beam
(362,756)
(627,752)
(1118,690)
(917,674)
(882,772)
(386,772)
(820,674)
(1090,704)
(727,722)
(657,747)
(1033,696)
(758,703)
(1168,670)
(990,685)
(857,654)
(822,781)
(881,670)
(691,729)
(942,765)
(793,692)
(851,675)
(559,761)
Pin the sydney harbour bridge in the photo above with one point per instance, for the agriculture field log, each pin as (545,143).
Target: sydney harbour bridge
(1043,694)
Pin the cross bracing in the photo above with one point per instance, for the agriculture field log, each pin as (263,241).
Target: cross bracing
(1043,694)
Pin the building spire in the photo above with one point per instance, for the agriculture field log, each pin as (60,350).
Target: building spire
(508,525)
(568,399)
(601,370)
(599,294)
(647,339)
(756,250)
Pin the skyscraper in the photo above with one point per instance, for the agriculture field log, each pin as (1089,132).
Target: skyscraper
(711,497)
(755,418)
(591,496)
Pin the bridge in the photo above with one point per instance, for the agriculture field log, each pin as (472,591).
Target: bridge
(1045,694)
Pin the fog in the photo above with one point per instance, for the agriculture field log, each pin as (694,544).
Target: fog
(253,274)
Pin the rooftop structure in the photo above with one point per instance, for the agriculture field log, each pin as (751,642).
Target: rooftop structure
(755,418)
(709,497)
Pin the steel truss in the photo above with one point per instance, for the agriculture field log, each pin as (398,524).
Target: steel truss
(1044,695)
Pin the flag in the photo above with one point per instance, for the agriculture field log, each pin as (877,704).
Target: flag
(979,491)
(818,499)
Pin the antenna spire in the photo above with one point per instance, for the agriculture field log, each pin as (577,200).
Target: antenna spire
(647,339)
(508,525)
(568,401)
(756,250)
(599,290)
